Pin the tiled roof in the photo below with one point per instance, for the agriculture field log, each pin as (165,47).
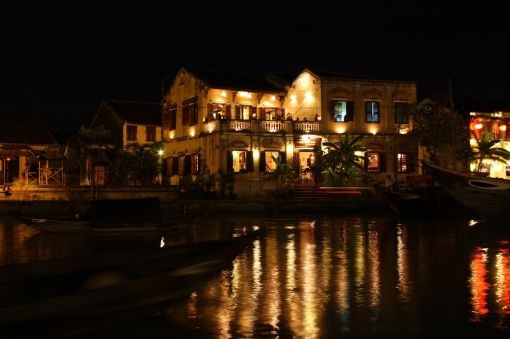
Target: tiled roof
(143,113)
(24,130)
(231,81)
(336,75)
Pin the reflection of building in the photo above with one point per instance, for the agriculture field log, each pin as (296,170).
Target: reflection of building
(237,122)
(29,155)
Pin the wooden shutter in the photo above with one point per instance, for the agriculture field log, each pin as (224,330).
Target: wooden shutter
(383,161)
(411,165)
(350,111)
(209,111)
(187,165)
(249,161)
(228,111)
(283,156)
(238,112)
(253,112)
(296,162)
(230,162)
(262,161)
(262,113)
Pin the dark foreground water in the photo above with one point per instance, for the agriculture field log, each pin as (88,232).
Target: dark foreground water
(311,277)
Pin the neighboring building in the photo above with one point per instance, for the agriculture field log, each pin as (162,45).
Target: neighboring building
(236,123)
(129,122)
(492,118)
(127,125)
(29,155)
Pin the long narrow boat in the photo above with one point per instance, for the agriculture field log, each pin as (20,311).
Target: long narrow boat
(489,198)
(63,294)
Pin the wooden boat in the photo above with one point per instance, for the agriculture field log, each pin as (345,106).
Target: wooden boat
(488,198)
(77,292)
(422,202)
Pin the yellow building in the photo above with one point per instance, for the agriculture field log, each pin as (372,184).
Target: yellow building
(237,122)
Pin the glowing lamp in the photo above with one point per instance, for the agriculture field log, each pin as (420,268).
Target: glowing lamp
(502,128)
(479,126)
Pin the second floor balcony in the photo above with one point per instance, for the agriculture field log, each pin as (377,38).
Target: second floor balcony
(263,126)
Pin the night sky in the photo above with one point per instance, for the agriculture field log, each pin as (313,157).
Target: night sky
(60,63)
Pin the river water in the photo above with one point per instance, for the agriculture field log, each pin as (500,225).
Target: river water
(316,277)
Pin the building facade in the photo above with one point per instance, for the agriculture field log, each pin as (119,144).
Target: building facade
(239,123)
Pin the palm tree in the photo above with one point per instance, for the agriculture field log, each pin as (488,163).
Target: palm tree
(343,159)
(283,174)
(484,150)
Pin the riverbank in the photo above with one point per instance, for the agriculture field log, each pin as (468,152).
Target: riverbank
(338,206)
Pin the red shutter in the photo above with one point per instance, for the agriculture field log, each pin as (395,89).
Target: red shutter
(228,111)
(238,112)
(262,113)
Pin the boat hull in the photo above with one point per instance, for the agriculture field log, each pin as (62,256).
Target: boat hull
(488,198)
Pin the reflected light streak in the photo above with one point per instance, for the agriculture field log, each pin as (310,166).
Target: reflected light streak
(375,286)
(292,296)
(502,285)
(479,284)
(359,267)
(271,304)
(402,264)
(225,312)
(342,294)
(309,287)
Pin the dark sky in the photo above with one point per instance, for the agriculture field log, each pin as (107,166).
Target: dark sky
(61,63)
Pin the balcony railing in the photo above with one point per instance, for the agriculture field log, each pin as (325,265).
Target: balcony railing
(263,126)
(272,126)
(307,126)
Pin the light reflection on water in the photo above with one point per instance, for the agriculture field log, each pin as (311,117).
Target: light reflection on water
(325,277)
(322,278)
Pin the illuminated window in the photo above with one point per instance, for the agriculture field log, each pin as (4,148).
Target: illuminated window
(244,112)
(372,111)
(217,111)
(270,163)
(373,162)
(343,111)
(402,110)
(404,164)
(240,161)
(131,133)
(272,113)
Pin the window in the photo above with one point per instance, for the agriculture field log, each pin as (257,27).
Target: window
(372,111)
(240,161)
(195,163)
(404,163)
(402,110)
(373,162)
(131,133)
(343,111)
(244,112)
(271,113)
(169,118)
(190,112)
(150,133)
(270,164)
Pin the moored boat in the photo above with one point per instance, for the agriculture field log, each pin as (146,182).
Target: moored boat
(488,198)
(423,202)
(72,291)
